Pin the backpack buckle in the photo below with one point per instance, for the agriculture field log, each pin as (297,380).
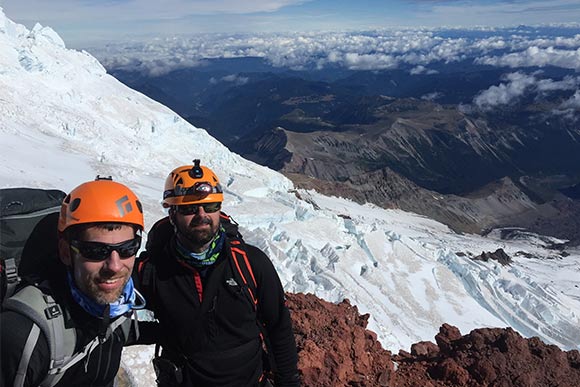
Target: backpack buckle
(52,311)
(11,270)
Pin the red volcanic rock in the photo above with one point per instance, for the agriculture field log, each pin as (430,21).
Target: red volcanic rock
(336,349)
(424,349)
(490,357)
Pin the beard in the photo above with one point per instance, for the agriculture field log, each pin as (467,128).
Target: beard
(199,237)
(99,295)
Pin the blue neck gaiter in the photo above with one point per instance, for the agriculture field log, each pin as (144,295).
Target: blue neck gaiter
(124,304)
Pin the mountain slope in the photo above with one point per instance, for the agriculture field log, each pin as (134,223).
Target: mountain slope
(63,120)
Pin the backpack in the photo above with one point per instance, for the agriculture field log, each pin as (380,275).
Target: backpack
(28,258)
(28,235)
(162,231)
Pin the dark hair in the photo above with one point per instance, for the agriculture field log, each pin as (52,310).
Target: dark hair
(77,231)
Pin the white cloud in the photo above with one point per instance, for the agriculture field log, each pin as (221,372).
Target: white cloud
(118,11)
(232,78)
(536,56)
(354,61)
(570,109)
(422,70)
(567,83)
(431,96)
(573,102)
(502,13)
(517,85)
(371,50)
(505,93)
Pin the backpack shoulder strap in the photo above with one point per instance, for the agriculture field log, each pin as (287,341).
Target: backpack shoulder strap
(145,272)
(157,238)
(240,259)
(56,373)
(9,270)
(48,318)
(243,268)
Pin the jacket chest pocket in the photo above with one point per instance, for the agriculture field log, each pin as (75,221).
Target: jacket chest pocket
(235,305)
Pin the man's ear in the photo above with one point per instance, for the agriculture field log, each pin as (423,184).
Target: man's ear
(171,215)
(64,251)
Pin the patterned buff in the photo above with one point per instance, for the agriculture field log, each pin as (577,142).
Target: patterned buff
(206,258)
(124,304)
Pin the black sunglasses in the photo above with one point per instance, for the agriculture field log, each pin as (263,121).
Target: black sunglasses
(97,251)
(191,209)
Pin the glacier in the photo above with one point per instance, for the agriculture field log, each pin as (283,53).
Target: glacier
(64,120)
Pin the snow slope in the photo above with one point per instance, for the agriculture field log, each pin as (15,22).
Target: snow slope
(63,120)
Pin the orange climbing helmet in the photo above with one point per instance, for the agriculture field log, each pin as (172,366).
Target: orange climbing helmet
(192,184)
(101,200)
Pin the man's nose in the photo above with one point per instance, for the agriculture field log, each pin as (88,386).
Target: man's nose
(114,262)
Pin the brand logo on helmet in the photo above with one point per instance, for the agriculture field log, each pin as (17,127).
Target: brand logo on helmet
(124,205)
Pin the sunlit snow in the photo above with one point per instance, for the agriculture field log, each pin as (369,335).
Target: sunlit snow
(63,120)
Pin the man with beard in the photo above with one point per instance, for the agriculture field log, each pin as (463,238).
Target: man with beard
(211,330)
(85,305)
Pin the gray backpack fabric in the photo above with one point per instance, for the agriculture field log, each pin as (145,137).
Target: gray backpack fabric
(28,249)
(28,235)
(49,318)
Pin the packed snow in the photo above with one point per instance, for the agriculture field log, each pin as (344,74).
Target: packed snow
(64,120)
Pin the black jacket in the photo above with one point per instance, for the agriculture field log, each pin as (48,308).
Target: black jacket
(99,369)
(214,336)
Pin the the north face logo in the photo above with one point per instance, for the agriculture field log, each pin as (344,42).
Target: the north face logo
(231,282)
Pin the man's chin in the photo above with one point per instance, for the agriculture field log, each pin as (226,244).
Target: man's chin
(105,296)
(200,237)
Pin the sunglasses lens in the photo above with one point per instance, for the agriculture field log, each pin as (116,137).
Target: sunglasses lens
(97,251)
(212,207)
(129,248)
(192,209)
(188,209)
(94,252)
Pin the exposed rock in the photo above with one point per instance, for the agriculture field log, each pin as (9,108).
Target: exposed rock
(336,349)
(498,255)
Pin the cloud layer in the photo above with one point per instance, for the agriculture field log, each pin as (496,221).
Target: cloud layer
(417,49)
(420,52)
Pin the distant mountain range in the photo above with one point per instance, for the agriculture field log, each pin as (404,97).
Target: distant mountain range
(417,142)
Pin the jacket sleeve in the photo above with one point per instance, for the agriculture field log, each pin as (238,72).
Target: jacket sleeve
(14,332)
(275,317)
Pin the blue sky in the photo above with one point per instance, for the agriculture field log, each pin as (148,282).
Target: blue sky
(82,21)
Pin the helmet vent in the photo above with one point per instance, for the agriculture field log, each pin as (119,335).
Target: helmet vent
(75,204)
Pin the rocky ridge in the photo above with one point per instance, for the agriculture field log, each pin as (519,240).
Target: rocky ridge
(502,203)
(336,349)
(470,171)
